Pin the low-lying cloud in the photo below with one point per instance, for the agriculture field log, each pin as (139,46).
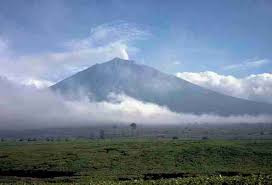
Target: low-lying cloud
(24,107)
(253,87)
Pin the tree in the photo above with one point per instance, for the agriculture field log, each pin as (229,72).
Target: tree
(133,127)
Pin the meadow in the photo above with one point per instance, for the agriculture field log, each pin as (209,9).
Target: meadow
(136,161)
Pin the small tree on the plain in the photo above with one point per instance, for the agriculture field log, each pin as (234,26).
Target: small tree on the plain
(133,127)
(48,139)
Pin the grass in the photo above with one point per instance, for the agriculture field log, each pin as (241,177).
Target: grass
(108,161)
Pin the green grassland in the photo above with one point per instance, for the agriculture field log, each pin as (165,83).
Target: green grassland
(136,161)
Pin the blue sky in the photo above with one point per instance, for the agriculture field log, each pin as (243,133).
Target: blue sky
(229,37)
(222,45)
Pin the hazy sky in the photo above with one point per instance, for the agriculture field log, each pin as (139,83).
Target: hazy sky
(42,42)
(221,45)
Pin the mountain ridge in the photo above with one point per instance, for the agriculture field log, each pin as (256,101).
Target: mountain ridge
(147,84)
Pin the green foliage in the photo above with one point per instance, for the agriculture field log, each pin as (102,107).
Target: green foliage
(106,161)
(203,180)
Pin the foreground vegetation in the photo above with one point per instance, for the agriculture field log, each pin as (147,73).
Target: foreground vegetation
(215,180)
(141,161)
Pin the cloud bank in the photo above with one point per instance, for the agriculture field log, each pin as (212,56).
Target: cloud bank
(24,107)
(253,87)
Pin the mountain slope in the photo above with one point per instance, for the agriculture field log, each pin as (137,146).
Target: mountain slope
(150,85)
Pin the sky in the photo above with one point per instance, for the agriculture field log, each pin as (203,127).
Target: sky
(222,45)
(42,42)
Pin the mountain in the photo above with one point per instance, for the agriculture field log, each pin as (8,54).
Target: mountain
(150,85)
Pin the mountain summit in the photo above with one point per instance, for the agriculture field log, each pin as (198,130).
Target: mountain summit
(150,85)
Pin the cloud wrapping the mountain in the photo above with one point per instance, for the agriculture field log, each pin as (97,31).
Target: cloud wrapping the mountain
(253,87)
(23,107)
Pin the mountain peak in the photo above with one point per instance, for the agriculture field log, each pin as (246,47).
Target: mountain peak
(147,84)
(117,59)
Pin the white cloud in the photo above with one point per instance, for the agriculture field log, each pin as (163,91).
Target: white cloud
(3,45)
(115,32)
(39,84)
(176,62)
(258,63)
(254,87)
(118,35)
(248,64)
(105,42)
(24,107)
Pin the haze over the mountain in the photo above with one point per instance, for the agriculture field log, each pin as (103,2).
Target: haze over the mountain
(147,84)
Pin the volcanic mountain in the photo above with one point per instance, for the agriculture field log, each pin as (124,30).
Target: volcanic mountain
(147,84)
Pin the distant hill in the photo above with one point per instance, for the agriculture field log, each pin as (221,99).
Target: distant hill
(150,85)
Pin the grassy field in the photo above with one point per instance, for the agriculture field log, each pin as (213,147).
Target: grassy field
(141,161)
